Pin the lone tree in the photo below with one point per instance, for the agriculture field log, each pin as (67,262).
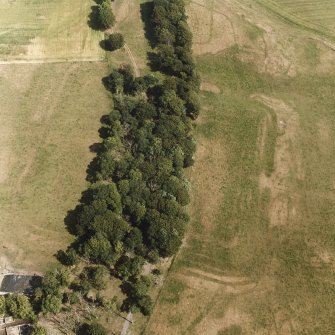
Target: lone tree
(106,15)
(114,41)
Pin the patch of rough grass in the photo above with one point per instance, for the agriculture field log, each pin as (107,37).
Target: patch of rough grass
(131,25)
(232,330)
(172,291)
(253,32)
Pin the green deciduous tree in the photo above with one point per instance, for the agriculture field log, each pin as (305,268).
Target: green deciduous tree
(106,15)
(114,41)
(137,296)
(96,276)
(51,304)
(18,306)
(128,267)
(49,295)
(98,249)
(109,194)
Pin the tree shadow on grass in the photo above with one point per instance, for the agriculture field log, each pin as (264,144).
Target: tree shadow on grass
(71,219)
(104,45)
(146,14)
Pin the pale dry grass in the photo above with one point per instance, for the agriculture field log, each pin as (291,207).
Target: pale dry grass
(51,115)
(208,87)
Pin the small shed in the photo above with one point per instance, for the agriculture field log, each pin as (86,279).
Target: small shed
(15,330)
(9,319)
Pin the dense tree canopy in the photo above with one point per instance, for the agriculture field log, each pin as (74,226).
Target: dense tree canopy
(48,297)
(134,209)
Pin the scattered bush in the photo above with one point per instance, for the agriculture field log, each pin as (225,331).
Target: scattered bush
(2,305)
(38,330)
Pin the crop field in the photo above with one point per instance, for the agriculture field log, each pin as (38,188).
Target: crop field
(49,118)
(259,257)
(313,14)
(47,30)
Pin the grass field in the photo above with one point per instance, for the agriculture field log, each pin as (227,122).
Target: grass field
(316,15)
(49,117)
(47,30)
(259,257)
(129,22)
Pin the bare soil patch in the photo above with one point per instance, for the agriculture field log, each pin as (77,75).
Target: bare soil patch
(208,87)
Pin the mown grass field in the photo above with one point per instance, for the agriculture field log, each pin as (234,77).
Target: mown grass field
(316,15)
(259,256)
(50,116)
(47,30)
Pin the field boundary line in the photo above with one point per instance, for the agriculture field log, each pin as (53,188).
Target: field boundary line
(50,61)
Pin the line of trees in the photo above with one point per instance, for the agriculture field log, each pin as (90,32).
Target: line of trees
(134,210)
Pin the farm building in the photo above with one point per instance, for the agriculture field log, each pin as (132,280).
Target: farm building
(9,326)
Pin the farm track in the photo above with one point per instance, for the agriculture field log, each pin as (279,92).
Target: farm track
(133,61)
